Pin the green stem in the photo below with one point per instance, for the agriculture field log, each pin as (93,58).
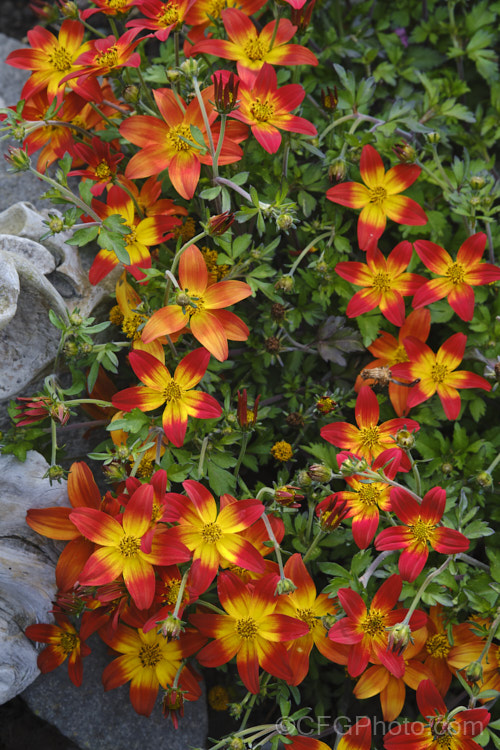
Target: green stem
(206,121)
(491,634)
(493,464)
(306,250)
(202,455)
(175,261)
(433,574)
(416,474)
(180,594)
(96,401)
(65,192)
(346,118)
(215,164)
(373,567)
(53,435)
(276,546)
(369,474)
(210,606)
(437,162)
(313,545)
(243,448)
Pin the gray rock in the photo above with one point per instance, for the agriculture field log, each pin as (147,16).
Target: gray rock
(9,290)
(94,719)
(27,560)
(32,251)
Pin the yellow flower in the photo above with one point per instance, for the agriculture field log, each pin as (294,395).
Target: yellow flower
(282,451)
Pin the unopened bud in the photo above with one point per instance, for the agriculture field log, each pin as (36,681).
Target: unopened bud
(446,468)
(329,99)
(285,284)
(353,466)
(474,672)
(285,586)
(288,496)
(17,159)
(235,710)
(131,94)
(284,222)
(170,628)
(405,439)
(301,17)
(219,224)
(236,743)
(399,638)
(320,473)
(303,479)
(190,67)
(225,94)
(484,479)
(56,224)
(55,473)
(405,152)
(433,137)
(173,75)
(477,182)
(75,319)
(69,9)
(325,405)
(337,171)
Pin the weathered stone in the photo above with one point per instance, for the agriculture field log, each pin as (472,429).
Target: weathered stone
(27,581)
(32,251)
(9,290)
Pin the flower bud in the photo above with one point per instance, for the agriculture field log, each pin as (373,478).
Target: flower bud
(170,628)
(284,222)
(405,439)
(272,344)
(337,171)
(484,479)
(474,672)
(285,586)
(399,638)
(69,9)
(173,75)
(477,182)
(56,224)
(301,17)
(320,473)
(447,468)
(285,284)
(353,466)
(225,94)
(219,224)
(55,473)
(131,94)
(405,153)
(433,137)
(190,67)
(329,99)
(18,160)
(235,710)
(303,479)
(236,743)
(288,496)
(331,512)
(325,405)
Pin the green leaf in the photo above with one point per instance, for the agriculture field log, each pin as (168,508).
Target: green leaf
(83,236)
(220,480)
(210,193)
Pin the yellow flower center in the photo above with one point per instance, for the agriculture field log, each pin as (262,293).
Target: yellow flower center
(377,195)
(169,14)
(102,170)
(116,315)
(439,372)
(456,273)
(255,49)
(172,392)
(215,8)
(422,531)
(60,59)
(262,111)
(399,355)
(117,4)
(373,623)
(246,627)
(369,437)
(171,592)
(381,282)
(307,616)
(211,532)
(150,655)
(437,646)
(129,546)
(175,136)
(68,642)
(369,495)
(131,324)
(282,451)
(443,740)
(108,58)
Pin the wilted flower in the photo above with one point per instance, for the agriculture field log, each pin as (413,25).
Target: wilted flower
(247,417)
(331,512)
(329,99)
(219,224)
(288,495)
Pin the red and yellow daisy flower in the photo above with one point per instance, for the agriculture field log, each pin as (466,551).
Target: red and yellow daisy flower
(149,660)
(379,197)
(199,305)
(211,535)
(161,17)
(304,604)
(365,629)
(101,163)
(436,373)
(107,55)
(251,630)
(267,109)
(175,392)
(390,351)
(384,281)
(252,49)
(51,59)
(64,641)
(108,7)
(55,523)
(143,234)
(202,13)
(164,141)
(368,439)
(127,548)
(378,680)
(456,278)
(441,731)
(422,528)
